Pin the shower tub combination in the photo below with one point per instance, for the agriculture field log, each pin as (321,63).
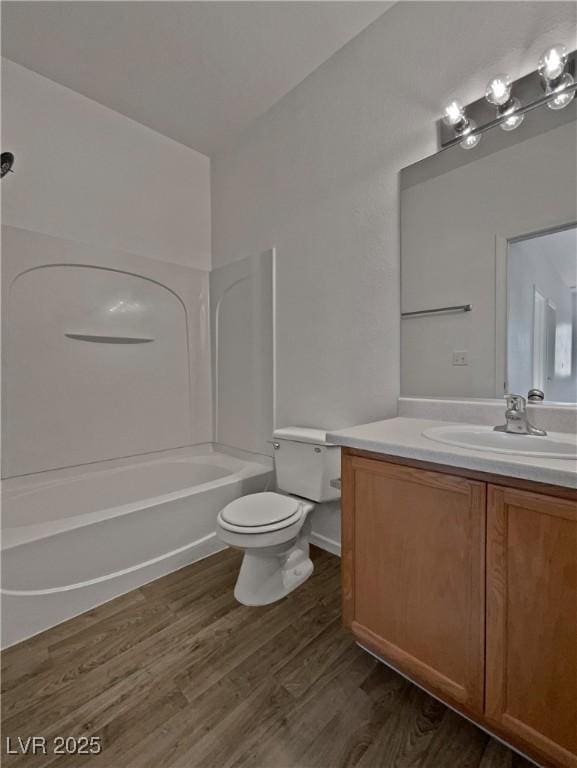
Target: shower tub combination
(75,538)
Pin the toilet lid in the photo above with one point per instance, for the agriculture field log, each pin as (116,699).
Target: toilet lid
(260,509)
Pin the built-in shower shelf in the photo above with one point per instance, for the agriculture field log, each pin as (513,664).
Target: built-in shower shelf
(98,338)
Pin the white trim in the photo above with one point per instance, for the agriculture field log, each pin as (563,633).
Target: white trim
(501,318)
(323,542)
(538,340)
(272,251)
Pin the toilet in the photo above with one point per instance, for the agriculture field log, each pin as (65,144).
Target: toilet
(273,528)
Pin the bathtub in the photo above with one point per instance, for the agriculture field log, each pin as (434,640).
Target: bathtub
(75,538)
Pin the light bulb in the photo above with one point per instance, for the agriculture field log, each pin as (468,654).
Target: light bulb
(552,62)
(515,120)
(498,91)
(561,101)
(454,114)
(469,139)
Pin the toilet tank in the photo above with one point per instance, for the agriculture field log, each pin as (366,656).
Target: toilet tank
(305,463)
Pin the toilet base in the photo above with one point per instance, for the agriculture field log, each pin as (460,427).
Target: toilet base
(269,574)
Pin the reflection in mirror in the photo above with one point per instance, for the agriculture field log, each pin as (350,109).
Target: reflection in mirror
(542,314)
(493,229)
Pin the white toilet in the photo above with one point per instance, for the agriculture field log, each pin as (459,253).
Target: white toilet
(273,528)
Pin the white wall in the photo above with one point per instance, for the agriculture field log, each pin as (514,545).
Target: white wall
(316,177)
(84,172)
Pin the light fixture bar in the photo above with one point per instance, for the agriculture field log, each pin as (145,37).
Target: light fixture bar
(506,102)
(535,104)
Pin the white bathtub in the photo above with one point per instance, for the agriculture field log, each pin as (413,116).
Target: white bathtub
(75,538)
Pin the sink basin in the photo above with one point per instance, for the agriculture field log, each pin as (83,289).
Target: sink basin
(556,445)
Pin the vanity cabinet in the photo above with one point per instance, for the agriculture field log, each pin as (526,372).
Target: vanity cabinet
(531,675)
(470,589)
(416,591)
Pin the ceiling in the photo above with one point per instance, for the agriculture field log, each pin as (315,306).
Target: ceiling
(198,72)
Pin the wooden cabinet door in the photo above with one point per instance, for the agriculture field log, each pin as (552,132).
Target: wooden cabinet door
(532,620)
(413,573)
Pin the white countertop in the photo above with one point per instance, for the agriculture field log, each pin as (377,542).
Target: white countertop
(403,437)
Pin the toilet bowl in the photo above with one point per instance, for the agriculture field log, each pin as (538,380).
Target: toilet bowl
(273,529)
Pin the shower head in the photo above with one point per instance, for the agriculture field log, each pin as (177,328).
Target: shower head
(6,163)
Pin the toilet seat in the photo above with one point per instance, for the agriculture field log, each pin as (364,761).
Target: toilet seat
(260,513)
(273,532)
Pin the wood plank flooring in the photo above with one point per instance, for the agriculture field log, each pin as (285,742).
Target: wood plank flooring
(178,674)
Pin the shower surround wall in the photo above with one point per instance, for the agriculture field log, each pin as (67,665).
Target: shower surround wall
(106,354)
(242,341)
(109,233)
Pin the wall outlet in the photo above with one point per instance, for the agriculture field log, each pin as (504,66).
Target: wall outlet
(460,357)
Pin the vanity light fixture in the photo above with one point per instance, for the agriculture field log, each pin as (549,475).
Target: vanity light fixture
(552,84)
(498,93)
(454,116)
(554,76)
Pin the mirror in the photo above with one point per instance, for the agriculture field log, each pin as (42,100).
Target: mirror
(541,343)
(489,265)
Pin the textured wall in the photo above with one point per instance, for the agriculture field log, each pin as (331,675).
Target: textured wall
(84,172)
(317,178)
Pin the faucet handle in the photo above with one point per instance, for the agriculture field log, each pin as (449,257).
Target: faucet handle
(516,403)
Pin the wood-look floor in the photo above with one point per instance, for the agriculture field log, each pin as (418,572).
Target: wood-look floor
(177,673)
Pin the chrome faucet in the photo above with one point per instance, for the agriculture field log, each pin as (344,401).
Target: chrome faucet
(516,418)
